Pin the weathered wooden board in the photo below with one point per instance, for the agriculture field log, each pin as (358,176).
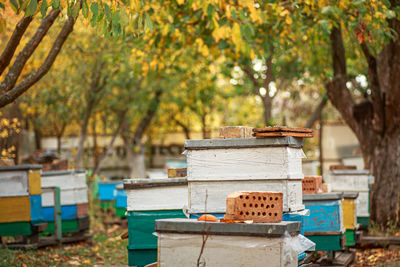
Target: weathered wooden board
(15,209)
(14,183)
(157,198)
(282,129)
(34,182)
(68,197)
(277,134)
(64,179)
(245,163)
(183,250)
(210,196)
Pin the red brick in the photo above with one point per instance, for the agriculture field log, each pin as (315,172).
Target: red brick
(312,184)
(235,132)
(259,206)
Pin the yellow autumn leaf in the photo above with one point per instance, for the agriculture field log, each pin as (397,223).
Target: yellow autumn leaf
(284,13)
(180,2)
(236,35)
(288,20)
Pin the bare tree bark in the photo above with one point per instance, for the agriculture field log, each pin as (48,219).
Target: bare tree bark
(13,42)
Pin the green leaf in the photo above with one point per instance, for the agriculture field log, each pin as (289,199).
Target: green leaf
(124,19)
(14,5)
(75,10)
(94,7)
(107,12)
(210,10)
(85,9)
(43,8)
(148,24)
(55,4)
(32,7)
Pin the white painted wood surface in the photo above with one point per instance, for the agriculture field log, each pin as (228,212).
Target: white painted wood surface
(157,198)
(350,183)
(68,197)
(210,196)
(14,183)
(183,250)
(362,203)
(245,163)
(65,181)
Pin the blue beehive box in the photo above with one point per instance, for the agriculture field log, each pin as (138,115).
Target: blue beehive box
(324,226)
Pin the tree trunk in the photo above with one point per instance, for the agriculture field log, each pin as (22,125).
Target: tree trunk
(375,121)
(267,103)
(384,163)
(82,136)
(38,135)
(137,158)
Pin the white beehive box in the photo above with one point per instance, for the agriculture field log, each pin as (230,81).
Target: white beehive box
(350,180)
(218,167)
(260,244)
(73,188)
(156,194)
(244,159)
(14,180)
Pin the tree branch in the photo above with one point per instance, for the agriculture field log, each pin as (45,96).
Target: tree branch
(35,76)
(316,115)
(145,121)
(13,43)
(19,63)
(248,70)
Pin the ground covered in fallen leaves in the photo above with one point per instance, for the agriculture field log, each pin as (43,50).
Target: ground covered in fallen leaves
(378,257)
(105,248)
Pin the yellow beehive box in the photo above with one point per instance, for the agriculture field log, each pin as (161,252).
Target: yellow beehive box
(15,209)
(349,210)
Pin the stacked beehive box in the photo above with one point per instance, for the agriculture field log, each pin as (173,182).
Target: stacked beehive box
(20,200)
(355,181)
(73,196)
(147,201)
(120,201)
(218,167)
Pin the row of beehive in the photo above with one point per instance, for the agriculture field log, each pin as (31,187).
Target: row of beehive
(25,200)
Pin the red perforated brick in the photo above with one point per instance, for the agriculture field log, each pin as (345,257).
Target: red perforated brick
(262,207)
(312,184)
